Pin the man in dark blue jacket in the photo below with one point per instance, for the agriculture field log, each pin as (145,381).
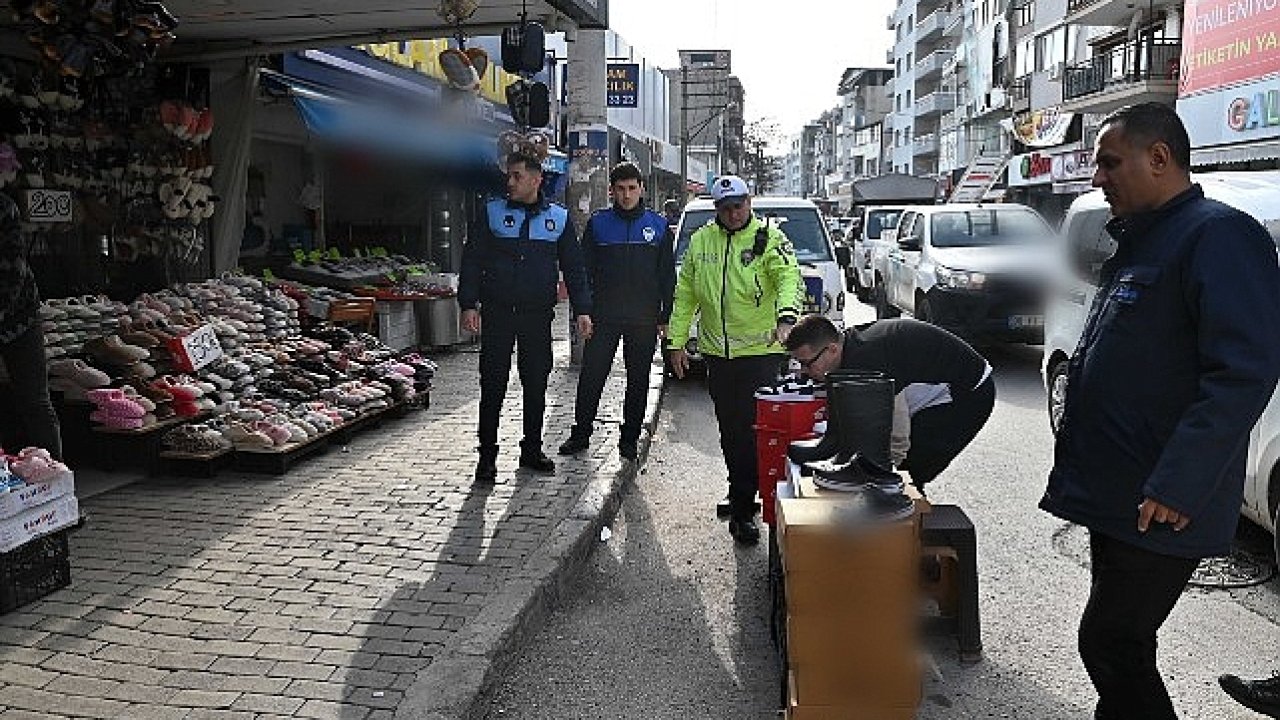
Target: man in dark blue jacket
(630,258)
(511,264)
(1178,357)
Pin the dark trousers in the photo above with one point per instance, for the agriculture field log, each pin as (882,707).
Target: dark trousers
(529,334)
(939,433)
(32,414)
(1132,593)
(733,384)
(638,344)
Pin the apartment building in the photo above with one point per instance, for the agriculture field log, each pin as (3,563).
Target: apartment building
(921,50)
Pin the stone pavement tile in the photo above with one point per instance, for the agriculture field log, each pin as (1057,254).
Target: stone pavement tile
(21,698)
(13,714)
(216,699)
(27,675)
(252,702)
(326,710)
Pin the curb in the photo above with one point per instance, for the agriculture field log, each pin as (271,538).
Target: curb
(478,654)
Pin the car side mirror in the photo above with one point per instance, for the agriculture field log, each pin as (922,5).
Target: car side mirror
(843,256)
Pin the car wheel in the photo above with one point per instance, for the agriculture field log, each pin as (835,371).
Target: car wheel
(1057,394)
(883,309)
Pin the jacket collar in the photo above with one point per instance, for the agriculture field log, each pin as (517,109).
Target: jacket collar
(1136,227)
(632,214)
(541,204)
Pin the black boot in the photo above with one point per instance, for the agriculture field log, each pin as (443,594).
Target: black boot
(827,446)
(1262,696)
(532,458)
(487,468)
(577,442)
(862,409)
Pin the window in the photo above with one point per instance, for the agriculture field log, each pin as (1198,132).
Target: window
(803,226)
(911,22)
(1025,13)
(909,63)
(987,227)
(897,103)
(1050,48)
(908,98)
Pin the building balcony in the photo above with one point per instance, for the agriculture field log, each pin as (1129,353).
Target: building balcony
(888,56)
(1020,94)
(934,104)
(931,65)
(931,28)
(889,22)
(1145,71)
(889,85)
(1104,13)
(955,25)
(925,145)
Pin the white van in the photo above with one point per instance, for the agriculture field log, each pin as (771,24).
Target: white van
(821,261)
(1084,244)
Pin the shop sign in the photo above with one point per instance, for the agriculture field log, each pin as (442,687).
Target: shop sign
(1248,112)
(1041,128)
(622,85)
(1073,165)
(423,56)
(1227,43)
(49,206)
(196,349)
(1258,110)
(1031,169)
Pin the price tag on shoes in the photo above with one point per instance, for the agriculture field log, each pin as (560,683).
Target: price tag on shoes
(196,349)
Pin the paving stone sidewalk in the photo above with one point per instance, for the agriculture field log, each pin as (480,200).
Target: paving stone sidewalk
(324,593)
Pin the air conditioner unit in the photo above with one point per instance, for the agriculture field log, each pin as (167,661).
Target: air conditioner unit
(1055,71)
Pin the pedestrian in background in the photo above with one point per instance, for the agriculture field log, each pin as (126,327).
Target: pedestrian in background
(740,278)
(511,263)
(629,257)
(1179,355)
(671,211)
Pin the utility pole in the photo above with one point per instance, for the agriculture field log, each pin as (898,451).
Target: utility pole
(684,133)
(588,138)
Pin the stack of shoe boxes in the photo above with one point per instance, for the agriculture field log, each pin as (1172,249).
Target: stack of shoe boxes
(852,591)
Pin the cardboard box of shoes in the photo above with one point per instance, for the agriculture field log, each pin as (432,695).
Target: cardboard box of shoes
(851,595)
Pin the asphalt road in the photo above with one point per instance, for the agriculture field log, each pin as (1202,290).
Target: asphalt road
(671,620)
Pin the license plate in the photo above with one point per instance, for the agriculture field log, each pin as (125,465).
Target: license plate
(1017,322)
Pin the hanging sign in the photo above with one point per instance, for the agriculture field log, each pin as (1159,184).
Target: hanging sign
(623,85)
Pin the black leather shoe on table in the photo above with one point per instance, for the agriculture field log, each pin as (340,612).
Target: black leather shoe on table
(1261,696)
(538,462)
(744,531)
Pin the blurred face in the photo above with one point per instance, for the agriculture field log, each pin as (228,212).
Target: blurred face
(1128,173)
(627,193)
(735,213)
(522,183)
(816,362)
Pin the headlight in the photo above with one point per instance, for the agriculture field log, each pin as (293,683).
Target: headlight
(959,279)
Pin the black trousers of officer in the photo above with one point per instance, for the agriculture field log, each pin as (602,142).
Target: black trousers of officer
(638,343)
(732,384)
(939,433)
(529,333)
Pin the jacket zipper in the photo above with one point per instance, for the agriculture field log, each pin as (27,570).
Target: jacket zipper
(724,290)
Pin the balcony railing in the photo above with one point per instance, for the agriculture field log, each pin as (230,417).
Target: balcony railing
(933,25)
(932,63)
(955,25)
(1122,65)
(935,104)
(1020,93)
(888,23)
(925,144)
(1076,5)
(888,56)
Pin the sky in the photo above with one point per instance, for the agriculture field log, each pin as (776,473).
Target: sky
(789,55)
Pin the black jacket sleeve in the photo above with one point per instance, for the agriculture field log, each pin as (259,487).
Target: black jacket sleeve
(574,270)
(666,276)
(473,252)
(588,245)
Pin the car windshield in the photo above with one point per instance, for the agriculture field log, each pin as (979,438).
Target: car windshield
(803,227)
(881,220)
(987,227)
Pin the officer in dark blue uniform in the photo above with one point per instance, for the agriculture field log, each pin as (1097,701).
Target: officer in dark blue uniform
(511,264)
(630,258)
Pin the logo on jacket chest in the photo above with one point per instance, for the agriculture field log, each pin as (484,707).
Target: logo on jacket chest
(509,221)
(649,234)
(551,225)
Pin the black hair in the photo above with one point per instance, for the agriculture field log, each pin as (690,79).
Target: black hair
(813,331)
(1151,122)
(625,170)
(529,160)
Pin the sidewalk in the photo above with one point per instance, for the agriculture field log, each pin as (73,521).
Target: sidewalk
(373,582)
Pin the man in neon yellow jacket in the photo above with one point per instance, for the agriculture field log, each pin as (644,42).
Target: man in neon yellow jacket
(740,277)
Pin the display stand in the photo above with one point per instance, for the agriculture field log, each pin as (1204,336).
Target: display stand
(141,447)
(279,460)
(203,464)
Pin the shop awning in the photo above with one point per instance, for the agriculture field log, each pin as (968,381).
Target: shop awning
(1242,153)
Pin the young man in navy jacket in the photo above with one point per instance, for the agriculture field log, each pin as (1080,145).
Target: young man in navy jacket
(511,264)
(630,258)
(1178,358)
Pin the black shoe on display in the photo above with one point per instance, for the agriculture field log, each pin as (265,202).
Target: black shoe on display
(887,505)
(628,449)
(855,475)
(537,461)
(744,530)
(1262,696)
(575,444)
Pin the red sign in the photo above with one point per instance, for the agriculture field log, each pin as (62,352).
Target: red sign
(1228,42)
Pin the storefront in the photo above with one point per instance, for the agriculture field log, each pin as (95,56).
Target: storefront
(1049,181)
(1229,90)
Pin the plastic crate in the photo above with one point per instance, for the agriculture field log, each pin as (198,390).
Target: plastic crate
(34,570)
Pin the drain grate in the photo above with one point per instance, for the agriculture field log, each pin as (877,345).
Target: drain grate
(1237,570)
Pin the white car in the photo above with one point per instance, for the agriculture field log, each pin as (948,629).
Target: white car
(1084,244)
(975,269)
(872,240)
(821,261)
